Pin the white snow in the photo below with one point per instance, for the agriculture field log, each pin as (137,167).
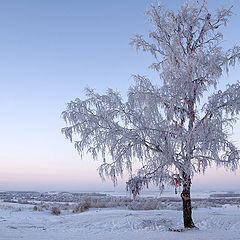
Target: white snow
(19,221)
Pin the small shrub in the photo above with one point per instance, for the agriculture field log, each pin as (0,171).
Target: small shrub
(55,211)
(45,206)
(37,208)
(81,207)
(65,206)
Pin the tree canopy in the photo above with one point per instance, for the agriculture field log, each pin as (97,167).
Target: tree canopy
(157,122)
(170,127)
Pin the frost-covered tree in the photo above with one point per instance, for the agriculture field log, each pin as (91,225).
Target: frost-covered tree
(171,127)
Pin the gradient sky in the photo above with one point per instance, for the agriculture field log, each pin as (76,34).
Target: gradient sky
(50,51)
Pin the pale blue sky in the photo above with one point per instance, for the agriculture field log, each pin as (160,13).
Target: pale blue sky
(50,50)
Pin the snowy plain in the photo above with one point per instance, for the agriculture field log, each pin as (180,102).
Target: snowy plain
(216,218)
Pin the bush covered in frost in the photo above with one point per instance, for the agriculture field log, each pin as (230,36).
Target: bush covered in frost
(55,211)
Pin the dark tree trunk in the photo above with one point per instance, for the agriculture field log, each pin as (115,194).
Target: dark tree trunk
(186,199)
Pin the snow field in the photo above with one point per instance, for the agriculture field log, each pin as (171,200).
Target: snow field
(19,221)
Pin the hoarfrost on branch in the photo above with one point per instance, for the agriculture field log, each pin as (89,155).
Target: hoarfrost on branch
(168,127)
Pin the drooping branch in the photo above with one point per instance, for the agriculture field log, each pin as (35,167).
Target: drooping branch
(162,125)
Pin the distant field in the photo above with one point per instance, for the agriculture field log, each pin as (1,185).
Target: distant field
(100,216)
(103,200)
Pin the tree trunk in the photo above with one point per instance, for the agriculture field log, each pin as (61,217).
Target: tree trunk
(186,199)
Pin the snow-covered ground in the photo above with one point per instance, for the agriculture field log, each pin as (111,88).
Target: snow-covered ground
(20,221)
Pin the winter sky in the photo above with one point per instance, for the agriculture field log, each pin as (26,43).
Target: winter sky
(50,51)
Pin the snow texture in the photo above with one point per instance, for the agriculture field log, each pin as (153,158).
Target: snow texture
(22,221)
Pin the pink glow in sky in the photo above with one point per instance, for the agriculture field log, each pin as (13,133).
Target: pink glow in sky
(50,51)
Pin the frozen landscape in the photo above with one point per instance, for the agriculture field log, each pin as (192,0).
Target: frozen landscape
(162,126)
(33,215)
